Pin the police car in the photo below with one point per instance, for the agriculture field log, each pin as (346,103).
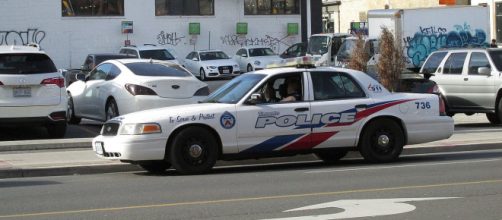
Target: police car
(275,112)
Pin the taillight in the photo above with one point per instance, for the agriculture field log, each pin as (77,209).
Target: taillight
(442,106)
(1,83)
(59,81)
(139,90)
(434,89)
(202,91)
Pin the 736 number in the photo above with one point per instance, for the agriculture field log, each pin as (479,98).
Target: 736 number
(423,105)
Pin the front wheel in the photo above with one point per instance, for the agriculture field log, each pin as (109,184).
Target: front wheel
(381,141)
(70,112)
(250,68)
(194,150)
(112,110)
(202,75)
(331,156)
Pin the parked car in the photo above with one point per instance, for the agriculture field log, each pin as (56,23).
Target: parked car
(150,51)
(91,61)
(211,64)
(469,80)
(334,111)
(32,90)
(255,58)
(123,86)
(295,50)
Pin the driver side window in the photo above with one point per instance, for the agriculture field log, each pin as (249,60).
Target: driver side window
(100,72)
(282,89)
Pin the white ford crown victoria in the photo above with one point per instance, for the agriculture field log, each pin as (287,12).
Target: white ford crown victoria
(275,112)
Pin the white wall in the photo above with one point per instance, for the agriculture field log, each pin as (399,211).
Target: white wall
(69,39)
(491,4)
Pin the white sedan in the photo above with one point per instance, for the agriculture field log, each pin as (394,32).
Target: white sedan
(123,86)
(211,64)
(256,58)
(329,112)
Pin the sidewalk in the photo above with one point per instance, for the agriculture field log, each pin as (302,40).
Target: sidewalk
(74,156)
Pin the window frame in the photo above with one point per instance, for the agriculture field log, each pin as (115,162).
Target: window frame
(475,73)
(68,8)
(255,11)
(183,8)
(303,91)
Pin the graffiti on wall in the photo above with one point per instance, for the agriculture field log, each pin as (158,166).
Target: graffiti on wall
(31,35)
(169,38)
(430,39)
(267,41)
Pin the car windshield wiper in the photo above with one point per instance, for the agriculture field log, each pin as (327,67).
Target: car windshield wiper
(210,101)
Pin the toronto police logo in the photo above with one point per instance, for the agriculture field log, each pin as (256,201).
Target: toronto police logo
(227,120)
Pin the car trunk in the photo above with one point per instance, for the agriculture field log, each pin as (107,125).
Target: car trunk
(27,90)
(174,87)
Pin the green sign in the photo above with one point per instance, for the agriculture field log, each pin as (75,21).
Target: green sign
(242,28)
(292,28)
(194,28)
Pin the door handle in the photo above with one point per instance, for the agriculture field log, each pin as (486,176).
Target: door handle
(301,109)
(361,107)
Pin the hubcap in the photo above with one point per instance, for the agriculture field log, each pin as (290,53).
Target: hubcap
(195,150)
(383,140)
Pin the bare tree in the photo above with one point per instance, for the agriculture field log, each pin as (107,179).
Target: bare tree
(359,56)
(391,61)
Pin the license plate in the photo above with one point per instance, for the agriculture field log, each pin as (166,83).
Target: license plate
(22,91)
(226,71)
(99,148)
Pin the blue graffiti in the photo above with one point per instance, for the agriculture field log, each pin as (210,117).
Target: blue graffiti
(428,40)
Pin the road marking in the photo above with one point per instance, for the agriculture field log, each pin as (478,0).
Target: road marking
(361,208)
(246,199)
(401,166)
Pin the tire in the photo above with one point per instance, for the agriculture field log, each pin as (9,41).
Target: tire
(155,166)
(112,109)
(249,68)
(70,112)
(331,156)
(202,75)
(496,118)
(382,141)
(57,130)
(194,150)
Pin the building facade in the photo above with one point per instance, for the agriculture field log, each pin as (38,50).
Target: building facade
(68,30)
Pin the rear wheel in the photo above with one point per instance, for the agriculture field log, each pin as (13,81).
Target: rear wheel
(70,114)
(331,156)
(155,166)
(57,130)
(202,75)
(112,110)
(496,118)
(193,150)
(381,141)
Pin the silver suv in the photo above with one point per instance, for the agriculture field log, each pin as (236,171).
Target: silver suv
(469,80)
(149,51)
(32,90)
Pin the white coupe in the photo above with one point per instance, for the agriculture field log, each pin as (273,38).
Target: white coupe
(123,86)
(333,111)
(256,58)
(211,64)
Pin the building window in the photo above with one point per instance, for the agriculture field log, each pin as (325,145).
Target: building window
(184,7)
(274,7)
(82,8)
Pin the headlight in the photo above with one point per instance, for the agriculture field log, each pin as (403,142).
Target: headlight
(257,62)
(144,128)
(236,66)
(212,67)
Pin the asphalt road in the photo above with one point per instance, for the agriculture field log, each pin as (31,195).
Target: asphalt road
(87,128)
(465,185)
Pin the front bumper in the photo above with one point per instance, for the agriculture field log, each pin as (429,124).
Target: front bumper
(131,147)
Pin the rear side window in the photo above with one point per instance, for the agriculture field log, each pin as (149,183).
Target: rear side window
(334,85)
(433,62)
(157,69)
(455,63)
(26,64)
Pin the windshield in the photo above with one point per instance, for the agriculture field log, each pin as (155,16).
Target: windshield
(214,55)
(318,45)
(161,54)
(346,49)
(496,56)
(234,90)
(257,52)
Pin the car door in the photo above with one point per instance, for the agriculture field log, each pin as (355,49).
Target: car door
(451,80)
(189,63)
(481,89)
(240,58)
(106,89)
(272,127)
(91,97)
(337,97)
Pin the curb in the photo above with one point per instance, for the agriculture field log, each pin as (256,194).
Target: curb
(122,167)
(45,144)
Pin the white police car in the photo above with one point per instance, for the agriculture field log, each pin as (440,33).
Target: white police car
(329,112)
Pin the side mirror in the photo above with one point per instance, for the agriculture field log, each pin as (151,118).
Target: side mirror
(80,77)
(255,98)
(244,55)
(484,71)
(195,59)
